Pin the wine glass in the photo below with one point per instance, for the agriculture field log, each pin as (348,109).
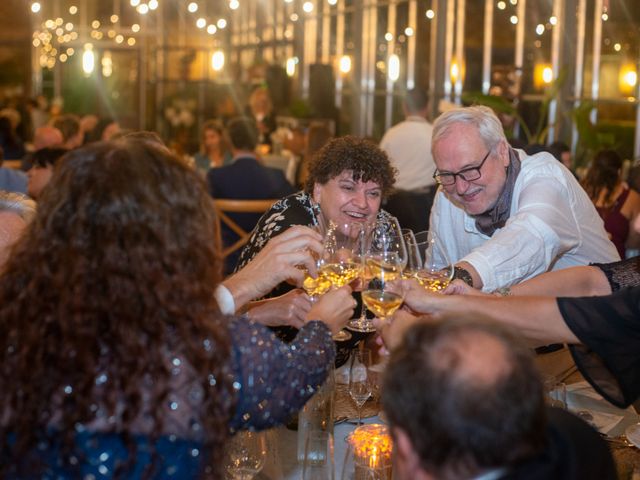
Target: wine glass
(360,387)
(436,272)
(415,260)
(384,259)
(318,456)
(246,452)
(386,237)
(340,259)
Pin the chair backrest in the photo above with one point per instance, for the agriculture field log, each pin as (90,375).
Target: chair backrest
(225,206)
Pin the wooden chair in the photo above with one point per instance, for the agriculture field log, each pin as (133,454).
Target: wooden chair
(225,206)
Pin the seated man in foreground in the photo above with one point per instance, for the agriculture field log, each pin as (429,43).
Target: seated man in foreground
(502,216)
(464,401)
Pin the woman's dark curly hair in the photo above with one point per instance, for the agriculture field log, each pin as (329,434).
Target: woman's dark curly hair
(603,175)
(116,272)
(359,155)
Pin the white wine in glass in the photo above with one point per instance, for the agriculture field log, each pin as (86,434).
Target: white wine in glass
(430,268)
(436,281)
(340,274)
(383,303)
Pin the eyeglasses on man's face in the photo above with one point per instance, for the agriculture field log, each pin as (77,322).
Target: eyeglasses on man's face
(468,174)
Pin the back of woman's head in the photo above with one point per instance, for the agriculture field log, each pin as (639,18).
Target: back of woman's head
(117,269)
(603,175)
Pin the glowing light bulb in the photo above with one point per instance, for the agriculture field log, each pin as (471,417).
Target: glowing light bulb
(217,60)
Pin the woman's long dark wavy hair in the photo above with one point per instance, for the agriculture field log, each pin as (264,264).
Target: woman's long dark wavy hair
(118,266)
(603,176)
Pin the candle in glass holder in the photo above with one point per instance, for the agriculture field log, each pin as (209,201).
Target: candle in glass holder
(371,448)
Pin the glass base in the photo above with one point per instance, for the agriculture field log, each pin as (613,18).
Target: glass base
(361,325)
(342,336)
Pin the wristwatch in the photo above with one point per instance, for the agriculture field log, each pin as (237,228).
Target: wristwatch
(462,274)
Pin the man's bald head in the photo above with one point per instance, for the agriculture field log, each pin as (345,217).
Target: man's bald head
(466,396)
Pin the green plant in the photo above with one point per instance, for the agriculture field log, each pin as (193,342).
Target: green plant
(501,105)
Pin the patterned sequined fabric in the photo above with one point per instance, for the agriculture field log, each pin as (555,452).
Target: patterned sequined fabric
(270,379)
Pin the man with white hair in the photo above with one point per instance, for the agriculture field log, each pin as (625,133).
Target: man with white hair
(16,211)
(501,216)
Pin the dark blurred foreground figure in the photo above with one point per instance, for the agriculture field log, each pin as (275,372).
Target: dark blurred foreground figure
(464,401)
(115,359)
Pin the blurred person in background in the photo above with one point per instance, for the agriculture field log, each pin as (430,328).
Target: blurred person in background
(408,145)
(72,133)
(617,204)
(316,136)
(44,137)
(39,175)
(99,129)
(214,150)
(12,180)
(562,152)
(261,110)
(11,144)
(246,178)
(16,211)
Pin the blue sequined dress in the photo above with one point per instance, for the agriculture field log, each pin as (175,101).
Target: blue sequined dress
(271,380)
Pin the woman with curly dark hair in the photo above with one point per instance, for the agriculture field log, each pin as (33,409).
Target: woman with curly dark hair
(115,358)
(348,179)
(616,203)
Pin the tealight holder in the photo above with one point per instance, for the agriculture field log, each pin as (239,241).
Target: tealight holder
(368,455)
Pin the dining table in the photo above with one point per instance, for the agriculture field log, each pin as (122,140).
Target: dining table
(612,422)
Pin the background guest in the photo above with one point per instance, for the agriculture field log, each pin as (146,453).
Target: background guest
(214,151)
(245,179)
(261,110)
(562,152)
(39,175)
(11,180)
(16,211)
(69,126)
(43,137)
(10,143)
(408,145)
(316,137)
(616,203)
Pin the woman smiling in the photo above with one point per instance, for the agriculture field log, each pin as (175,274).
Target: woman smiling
(348,179)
